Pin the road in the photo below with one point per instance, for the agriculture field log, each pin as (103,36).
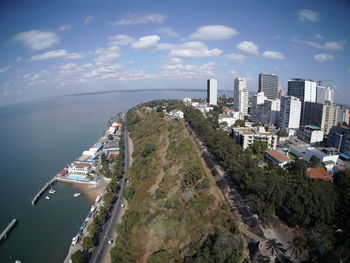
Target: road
(103,247)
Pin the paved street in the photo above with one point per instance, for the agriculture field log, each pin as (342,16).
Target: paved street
(103,249)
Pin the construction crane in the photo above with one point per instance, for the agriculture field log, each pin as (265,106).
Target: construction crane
(319,82)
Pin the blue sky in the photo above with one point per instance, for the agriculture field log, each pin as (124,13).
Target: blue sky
(61,47)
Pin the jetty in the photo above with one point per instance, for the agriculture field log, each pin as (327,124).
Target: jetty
(7,229)
(43,189)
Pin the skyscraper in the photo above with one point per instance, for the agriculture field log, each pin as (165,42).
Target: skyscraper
(269,85)
(324,94)
(290,113)
(212,91)
(241,95)
(303,89)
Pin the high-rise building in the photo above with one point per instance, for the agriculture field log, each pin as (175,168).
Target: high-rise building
(289,117)
(212,91)
(322,115)
(264,110)
(241,95)
(339,137)
(303,89)
(343,115)
(269,85)
(324,94)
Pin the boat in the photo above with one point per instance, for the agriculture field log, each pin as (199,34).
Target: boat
(98,198)
(51,191)
(47,197)
(83,225)
(75,240)
(76,194)
(93,208)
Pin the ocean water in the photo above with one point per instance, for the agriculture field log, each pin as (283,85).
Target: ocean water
(37,139)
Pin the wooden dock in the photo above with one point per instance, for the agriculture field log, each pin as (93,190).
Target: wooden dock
(7,229)
(42,190)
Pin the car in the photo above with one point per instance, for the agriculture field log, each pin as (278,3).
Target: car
(110,241)
(122,205)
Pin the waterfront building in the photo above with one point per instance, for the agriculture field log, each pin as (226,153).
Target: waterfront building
(324,94)
(339,137)
(324,116)
(246,136)
(241,95)
(268,84)
(212,91)
(289,117)
(80,168)
(311,134)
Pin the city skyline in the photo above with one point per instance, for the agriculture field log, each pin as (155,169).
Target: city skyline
(101,45)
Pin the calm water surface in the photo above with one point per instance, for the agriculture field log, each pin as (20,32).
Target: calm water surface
(37,139)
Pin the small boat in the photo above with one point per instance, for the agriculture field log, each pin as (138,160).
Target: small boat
(98,198)
(76,194)
(47,197)
(93,208)
(51,191)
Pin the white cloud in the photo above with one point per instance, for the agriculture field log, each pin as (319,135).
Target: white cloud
(4,69)
(107,55)
(59,53)
(332,45)
(277,37)
(248,47)
(166,31)
(237,57)
(308,15)
(214,32)
(134,19)
(37,40)
(323,57)
(88,19)
(65,28)
(120,40)
(69,66)
(194,49)
(18,59)
(273,55)
(146,43)
(349,69)
(319,36)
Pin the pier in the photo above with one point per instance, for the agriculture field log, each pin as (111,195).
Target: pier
(42,190)
(7,229)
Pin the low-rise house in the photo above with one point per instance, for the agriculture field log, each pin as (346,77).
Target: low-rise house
(176,114)
(319,173)
(276,157)
(93,151)
(80,168)
(246,136)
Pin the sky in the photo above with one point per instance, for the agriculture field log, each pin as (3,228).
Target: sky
(51,48)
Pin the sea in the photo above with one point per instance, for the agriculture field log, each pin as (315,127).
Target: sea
(37,139)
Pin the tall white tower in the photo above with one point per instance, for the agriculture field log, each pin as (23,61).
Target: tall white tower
(212,91)
(241,95)
(290,112)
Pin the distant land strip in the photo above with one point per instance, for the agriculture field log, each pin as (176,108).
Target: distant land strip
(133,91)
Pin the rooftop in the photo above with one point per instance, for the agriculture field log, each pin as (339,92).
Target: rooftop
(81,165)
(278,156)
(319,173)
(313,127)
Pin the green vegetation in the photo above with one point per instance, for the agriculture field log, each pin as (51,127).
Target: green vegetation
(240,123)
(282,133)
(77,257)
(175,212)
(316,206)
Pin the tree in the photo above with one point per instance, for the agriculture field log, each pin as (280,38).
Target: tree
(258,147)
(240,123)
(297,247)
(315,161)
(148,150)
(282,133)
(77,257)
(87,243)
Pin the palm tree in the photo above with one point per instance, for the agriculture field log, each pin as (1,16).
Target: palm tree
(297,247)
(273,248)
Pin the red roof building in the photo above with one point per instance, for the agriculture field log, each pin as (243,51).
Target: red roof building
(319,173)
(62,172)
(276,157)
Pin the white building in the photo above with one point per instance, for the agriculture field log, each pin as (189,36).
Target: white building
(79,168)
(265,110)
(324,94)
(246,136)
(289,117)
(230,120)
(311,134)
(212,91)
(176,114)
(241,95)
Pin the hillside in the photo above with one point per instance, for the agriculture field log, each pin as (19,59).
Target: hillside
(175,211)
